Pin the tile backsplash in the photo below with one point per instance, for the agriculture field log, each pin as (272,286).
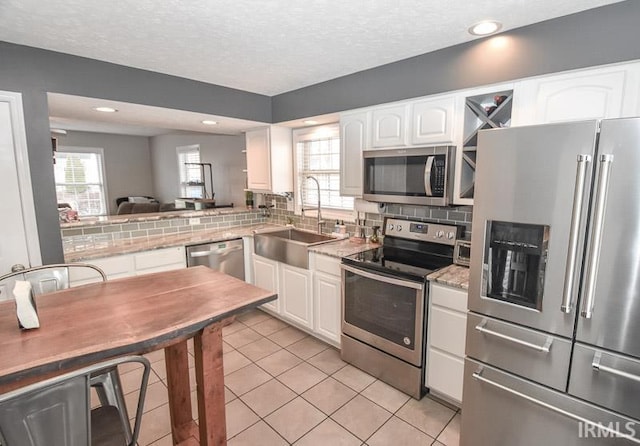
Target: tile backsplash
(456,215)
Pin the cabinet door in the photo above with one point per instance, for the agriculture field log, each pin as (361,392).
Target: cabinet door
(389,126)
(159,260)
(326,295)
(592,94)
(432,121)
(445,375)
(258,159)
(295,293)
(114,267)
(265,275)
(354,131)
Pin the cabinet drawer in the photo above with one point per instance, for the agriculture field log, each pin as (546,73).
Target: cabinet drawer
(327,264)
(445,374)
(160,258)
(594,373)
(516,349)
(448,330)
(453,298)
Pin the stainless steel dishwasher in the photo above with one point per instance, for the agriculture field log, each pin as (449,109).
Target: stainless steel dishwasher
(226,257)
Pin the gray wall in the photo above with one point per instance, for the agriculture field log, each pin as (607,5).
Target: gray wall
(595,37)
(34,72)
(223,151)
(127,162)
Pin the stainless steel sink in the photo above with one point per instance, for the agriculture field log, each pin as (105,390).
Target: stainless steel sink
(290,246)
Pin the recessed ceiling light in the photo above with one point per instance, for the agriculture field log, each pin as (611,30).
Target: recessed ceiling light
(485,28)
(209,122)
(105,109)
(309,122)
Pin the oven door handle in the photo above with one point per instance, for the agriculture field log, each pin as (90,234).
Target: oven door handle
(382,278)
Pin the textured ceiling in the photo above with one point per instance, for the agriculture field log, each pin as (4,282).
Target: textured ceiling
(262,46)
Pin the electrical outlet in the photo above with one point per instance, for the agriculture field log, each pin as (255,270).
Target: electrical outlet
(194,221)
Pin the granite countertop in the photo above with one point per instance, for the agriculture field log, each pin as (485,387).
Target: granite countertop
(95,250)
(344,247)
(151,216)
(453,275)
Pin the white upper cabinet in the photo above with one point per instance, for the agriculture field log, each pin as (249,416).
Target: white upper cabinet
(432,121)
(270,159)
(389,126)
(354,135)
(609,92)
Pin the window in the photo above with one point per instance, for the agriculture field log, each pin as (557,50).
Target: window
(191,181)
(318,155)
(79,177)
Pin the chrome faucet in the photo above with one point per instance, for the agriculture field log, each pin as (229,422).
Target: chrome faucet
(320,221)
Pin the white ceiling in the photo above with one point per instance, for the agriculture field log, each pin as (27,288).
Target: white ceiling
(263,46)
(68,112)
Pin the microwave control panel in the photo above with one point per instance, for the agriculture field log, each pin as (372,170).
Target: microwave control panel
(426,232)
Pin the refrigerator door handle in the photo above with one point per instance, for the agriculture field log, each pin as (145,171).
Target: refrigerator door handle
(599,425)
(596,236)
(427,175)
(603,368)
(574,234)
(540,348)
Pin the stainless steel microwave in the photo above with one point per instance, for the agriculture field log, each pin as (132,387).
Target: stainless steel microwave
(421,176)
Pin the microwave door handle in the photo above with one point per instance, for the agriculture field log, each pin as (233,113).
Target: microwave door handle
(596,237)
(574,235)
(427,175)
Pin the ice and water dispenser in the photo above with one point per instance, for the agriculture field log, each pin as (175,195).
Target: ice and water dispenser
(515,258)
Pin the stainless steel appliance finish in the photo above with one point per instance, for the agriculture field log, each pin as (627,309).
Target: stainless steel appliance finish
(501,409)
(579,182)
(422,176)
(384,301)
(527,175)
(462,252)
(226,257)
(368,312)
(290,246)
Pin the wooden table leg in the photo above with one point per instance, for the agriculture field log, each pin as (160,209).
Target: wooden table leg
(182,424)
(210,379)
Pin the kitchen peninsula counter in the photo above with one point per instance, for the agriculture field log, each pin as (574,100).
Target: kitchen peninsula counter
(94,249)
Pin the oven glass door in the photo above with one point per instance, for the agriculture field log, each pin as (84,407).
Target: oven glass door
(384,312)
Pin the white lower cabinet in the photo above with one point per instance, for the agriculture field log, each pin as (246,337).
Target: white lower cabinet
(309,299)
(265,275)
(128,265)
(446,341)
(295,294)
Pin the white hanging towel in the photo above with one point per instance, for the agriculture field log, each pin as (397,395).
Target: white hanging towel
(25,305)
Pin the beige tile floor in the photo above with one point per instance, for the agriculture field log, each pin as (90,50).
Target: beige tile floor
(284,387)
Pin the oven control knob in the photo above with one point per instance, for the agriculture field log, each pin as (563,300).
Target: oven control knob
(450,235)
(440,234)
(390,226)
(399,228)
(406,341)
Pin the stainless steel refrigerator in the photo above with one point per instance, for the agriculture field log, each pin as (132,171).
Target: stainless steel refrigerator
(553,335)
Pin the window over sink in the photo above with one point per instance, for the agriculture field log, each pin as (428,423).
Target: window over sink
(317,152)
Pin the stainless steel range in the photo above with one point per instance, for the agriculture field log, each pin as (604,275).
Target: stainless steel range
(384,301)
